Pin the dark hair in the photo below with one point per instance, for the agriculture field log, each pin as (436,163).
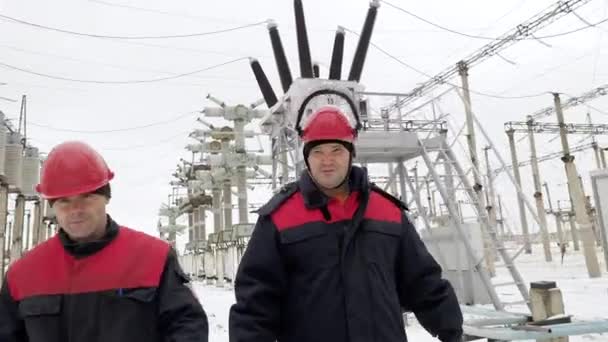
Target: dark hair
(104,191)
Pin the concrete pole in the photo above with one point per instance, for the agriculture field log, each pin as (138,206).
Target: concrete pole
(37,224)
(391,175)
(242,194)
(219,266)
(463,71)
(241,171)
(594,221)
(191,226)
(573,231)
(44,227)
(603,158)
(429,198)
(17,244)
(227,205)
(28,217)
(491,193)
(402,183)
(434,203)
(520,199)
(449,180)
(217,210)
(502,217)
(429,214)
(538,194)
(578,198)
(596,153)
(202,224)
(573,234)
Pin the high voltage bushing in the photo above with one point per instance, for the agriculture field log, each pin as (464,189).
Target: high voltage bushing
(285,111)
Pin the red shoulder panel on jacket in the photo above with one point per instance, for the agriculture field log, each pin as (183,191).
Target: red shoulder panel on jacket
(294,213)
(380,208)
(132,260)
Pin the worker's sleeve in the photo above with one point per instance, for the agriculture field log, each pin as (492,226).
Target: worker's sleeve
(12,327)
(259,286)
(423,291)
(181,315)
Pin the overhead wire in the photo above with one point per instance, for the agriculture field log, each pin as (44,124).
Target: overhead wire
(600,111)
(127,147)
(548,70)
(588,25)
(62,78)
(409,66)
(483,30)
(140,146)
(150,10)
(110,65)
(91,35)
(598,50)
(586,21)
(124,129)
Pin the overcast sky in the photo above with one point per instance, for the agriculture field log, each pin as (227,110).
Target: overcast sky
(144,158)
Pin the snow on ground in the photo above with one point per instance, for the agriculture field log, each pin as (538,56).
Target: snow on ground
(584,298)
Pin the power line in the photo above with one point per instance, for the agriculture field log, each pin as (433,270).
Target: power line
(187,35)
(550,69)
(588,25)
(119,82)
(446,82)
(128,147)
(139,146)
(116,66)
(150,10)
(516,34)
(7,99)
(125,129)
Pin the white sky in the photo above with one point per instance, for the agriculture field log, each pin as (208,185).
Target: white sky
(143,159)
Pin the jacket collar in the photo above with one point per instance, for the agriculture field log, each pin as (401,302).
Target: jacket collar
(315,198)
(84,249)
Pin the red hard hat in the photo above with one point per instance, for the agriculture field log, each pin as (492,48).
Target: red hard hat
(72,168)
(328,123)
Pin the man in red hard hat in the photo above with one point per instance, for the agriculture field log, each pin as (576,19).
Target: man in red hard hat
(95,280)
(334,258)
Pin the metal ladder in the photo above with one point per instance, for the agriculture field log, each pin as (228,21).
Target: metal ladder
(449,157)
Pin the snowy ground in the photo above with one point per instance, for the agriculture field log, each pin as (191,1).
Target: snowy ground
(583,297)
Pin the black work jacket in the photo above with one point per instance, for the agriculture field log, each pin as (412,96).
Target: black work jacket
(126,287)
(316,269)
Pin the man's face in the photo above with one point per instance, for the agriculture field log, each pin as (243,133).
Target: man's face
(329,164)
(82,217)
